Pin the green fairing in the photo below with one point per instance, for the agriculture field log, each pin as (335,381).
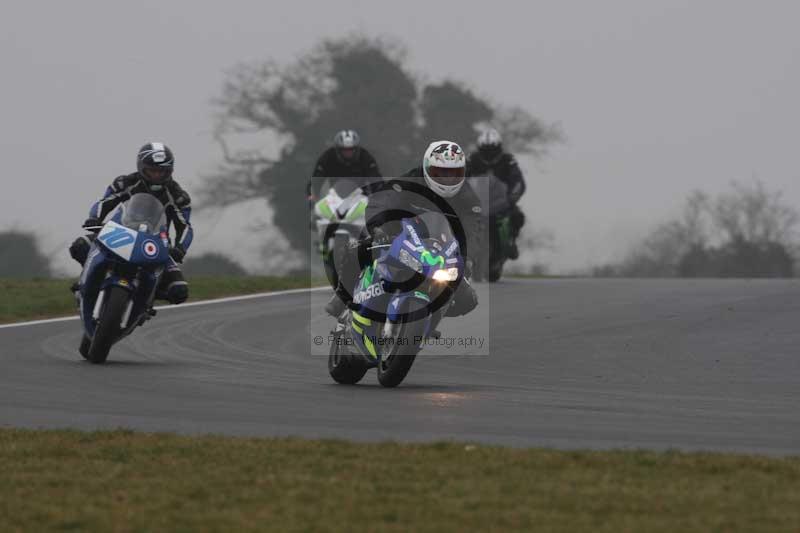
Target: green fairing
(359,211)
(369,272)
(422,295)
(504,230)
(325,209)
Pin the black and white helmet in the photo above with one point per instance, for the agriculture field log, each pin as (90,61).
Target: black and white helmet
(444,168)
(490,145)
(155,163)
(347,143)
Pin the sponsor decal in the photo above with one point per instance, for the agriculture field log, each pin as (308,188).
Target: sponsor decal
(411,231)
(451,248)
(150,249)
(370,292)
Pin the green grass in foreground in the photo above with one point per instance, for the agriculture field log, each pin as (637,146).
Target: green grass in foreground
(124,481)
(22,299)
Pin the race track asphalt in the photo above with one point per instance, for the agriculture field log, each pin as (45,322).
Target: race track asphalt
(567,363)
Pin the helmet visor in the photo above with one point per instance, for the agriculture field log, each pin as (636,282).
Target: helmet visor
(490,151)
(156,175)
(447,176)
(347,153)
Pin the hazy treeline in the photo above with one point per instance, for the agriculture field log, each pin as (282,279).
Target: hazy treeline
(20,256)
(747,231)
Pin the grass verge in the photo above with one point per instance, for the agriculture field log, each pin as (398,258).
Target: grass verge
(22,299)
(125,481)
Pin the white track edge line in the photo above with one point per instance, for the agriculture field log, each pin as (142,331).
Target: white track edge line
(176,307)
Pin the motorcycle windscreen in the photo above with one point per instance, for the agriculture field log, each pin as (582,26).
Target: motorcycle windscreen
(439,226)
(143,213)
(344,187)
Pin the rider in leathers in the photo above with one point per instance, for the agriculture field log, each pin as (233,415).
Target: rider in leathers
(154,164)
(345,159)
(490,159)
(442,174)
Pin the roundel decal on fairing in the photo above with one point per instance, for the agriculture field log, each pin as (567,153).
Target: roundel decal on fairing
(150,249)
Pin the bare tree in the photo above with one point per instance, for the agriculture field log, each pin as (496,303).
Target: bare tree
(747,232)
(357,83)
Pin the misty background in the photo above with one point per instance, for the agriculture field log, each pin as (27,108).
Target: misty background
(655,100)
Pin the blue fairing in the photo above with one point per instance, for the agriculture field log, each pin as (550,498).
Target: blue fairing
(125,258)
(417,248)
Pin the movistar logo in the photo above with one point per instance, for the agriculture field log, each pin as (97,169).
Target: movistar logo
(431,260)
(370,292)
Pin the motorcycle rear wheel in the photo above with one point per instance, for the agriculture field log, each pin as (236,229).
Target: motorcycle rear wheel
(343,367)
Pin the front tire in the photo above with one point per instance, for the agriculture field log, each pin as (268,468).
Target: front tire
(394,366)
(108,329)
(495,271)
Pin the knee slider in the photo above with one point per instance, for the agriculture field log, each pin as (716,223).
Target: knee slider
(178,292)
(79,250)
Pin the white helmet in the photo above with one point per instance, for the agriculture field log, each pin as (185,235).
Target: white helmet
(444,167)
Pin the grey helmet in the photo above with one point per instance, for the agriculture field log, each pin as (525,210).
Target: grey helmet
(347,144)
(490,145)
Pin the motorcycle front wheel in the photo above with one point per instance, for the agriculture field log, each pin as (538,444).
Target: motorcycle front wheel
(108,325)
(407,342)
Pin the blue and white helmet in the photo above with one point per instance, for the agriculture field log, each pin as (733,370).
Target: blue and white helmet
(347,143)
(444,168)
(155,163)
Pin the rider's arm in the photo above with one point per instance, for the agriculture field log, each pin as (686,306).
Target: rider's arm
(180,216)
(116,193)
(515,180)
(371,166)
(318,176)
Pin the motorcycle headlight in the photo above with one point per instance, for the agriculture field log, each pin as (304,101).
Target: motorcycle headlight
(446,274)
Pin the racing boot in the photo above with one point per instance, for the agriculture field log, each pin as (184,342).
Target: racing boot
(335,306)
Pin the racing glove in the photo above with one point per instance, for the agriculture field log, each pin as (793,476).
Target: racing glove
(177,253)
(92,224)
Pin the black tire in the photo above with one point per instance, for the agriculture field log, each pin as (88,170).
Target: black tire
(495,271)
(343,367)
(108,330)
(394,367)
(341,247)
(86,343)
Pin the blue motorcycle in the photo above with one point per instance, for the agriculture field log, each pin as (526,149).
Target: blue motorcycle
(398,301)
(119,279)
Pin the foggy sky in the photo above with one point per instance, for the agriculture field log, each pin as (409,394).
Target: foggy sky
(656,99)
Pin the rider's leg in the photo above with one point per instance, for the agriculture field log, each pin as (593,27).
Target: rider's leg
(465,299)
(173,286)
(347,276)
(79,249)
(517,221)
